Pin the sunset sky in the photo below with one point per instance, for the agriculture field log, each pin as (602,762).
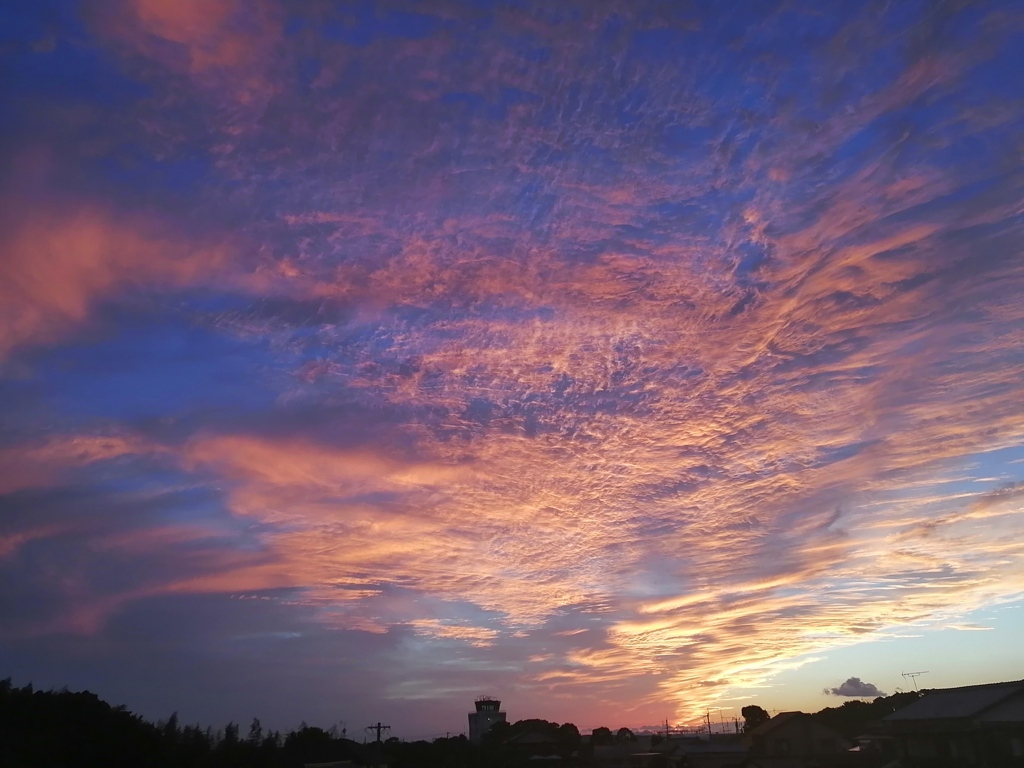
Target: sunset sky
(621,359)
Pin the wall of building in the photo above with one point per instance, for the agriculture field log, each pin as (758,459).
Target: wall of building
(481,722)
(801,737)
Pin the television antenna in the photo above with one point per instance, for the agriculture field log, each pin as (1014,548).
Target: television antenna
(721,717)
(912,676)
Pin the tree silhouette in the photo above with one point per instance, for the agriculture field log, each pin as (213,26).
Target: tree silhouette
(499,732)
(569,735)
(853,717)
(753,716)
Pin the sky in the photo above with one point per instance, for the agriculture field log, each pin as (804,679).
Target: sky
(624,361)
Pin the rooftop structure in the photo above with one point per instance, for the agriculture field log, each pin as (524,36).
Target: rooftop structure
(488,712)
(976,725)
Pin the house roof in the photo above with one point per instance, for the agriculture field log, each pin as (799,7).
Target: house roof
(953,703)
(775,722)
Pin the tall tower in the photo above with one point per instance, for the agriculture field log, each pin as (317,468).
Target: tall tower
(488,712)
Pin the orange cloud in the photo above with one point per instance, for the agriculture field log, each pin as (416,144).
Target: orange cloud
(39,464)
(56,264)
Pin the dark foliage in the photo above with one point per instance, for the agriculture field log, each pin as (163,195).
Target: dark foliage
(60,729)
(753,716)
(855,718)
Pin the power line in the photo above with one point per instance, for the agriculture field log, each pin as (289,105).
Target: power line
(378,728)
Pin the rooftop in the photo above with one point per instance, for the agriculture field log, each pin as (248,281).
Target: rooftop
(953,703)
(771,725)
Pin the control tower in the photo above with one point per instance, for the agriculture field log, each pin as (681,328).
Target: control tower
(488,712)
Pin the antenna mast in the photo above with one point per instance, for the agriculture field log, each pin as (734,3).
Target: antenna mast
(912,676)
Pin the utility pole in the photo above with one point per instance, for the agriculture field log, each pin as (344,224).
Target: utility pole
(707,717)
(378,728)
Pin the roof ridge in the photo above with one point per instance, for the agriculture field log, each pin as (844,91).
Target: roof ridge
(973,685)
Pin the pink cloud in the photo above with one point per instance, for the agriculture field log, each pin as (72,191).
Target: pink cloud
(40,464)
(56,264)
(223,46)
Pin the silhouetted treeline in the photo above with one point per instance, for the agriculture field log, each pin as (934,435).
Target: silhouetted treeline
(566,734)
(71,729)
(61,729)
(855,717)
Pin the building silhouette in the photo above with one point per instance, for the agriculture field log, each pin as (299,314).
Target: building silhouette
(796,735)
(488,712)
(974,725)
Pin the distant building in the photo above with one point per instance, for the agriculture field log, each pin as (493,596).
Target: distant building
(488,712)
(794,735)
(976,725)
